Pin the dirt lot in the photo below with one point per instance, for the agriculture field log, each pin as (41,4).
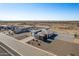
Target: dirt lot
(58,47)
(21,36)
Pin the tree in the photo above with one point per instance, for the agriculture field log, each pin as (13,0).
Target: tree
(75,35)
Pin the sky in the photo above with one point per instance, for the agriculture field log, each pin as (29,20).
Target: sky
(39,11)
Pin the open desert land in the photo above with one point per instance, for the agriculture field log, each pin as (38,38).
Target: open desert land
(59,27)
(66,43)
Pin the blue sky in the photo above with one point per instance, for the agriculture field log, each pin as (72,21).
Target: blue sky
(39,11)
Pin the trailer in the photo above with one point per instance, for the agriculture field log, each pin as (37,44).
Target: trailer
(21,30)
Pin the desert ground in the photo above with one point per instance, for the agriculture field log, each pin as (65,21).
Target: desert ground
(65,44)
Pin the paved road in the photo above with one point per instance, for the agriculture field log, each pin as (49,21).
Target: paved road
(3,51)
(26,39)
(21,48)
